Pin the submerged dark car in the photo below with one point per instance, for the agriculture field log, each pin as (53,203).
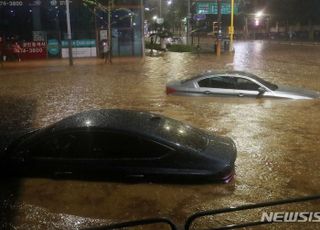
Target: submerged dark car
(126,143)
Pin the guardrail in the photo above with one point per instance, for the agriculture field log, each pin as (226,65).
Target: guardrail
(190,220)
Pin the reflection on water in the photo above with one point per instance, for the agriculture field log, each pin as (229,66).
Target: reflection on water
(277,140)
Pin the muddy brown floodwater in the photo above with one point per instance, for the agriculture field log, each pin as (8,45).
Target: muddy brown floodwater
(277,140)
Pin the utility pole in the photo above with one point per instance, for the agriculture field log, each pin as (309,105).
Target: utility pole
(160,22)
(142,28)
(110,2)
(218,51)
(231,32)
(188,23)
(69,33)
(246,31)
(96,29)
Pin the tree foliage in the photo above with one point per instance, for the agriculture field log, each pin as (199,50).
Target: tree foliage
(295,11)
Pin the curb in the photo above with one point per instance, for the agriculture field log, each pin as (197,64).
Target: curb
(295,43)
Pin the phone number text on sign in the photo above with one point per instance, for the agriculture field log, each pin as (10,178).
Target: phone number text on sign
(11,3)
(34,50)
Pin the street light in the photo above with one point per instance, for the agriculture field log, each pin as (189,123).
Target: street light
(154,17)
(257,18)
(169,2)
(259,14)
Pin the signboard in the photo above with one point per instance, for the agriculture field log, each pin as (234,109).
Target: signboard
(199,17)
(103,35)
(58,2)
(80,48)
(80,52)
(11,3)
(79,43)
(34,50)
(212,7)
(160,21)
(53,48)
(19,3)
(39,36)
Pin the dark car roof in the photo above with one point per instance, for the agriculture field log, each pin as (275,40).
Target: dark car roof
(144,123)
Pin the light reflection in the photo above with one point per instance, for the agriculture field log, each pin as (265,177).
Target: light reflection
(181,131)
(88,122)
(248,55)
(259,14)
(257,22)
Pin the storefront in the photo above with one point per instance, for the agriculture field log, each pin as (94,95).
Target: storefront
(126,27)
(40,27)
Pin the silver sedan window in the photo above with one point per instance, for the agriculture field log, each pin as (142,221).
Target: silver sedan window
(217,82)
(245,84)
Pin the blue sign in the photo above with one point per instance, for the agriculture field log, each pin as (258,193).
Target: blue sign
(199,17)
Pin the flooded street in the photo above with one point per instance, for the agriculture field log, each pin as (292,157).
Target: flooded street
(277,140)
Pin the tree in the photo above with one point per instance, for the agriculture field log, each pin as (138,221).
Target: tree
(295,11)
(177,11)
(291,12)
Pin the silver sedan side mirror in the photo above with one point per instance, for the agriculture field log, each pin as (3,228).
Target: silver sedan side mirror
(261,91)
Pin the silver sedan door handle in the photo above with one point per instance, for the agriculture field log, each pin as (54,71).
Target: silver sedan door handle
(240,94)
(207,92)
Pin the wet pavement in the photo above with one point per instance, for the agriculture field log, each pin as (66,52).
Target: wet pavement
(278,140)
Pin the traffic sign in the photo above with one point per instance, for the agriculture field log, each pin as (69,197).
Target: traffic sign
(199,17)
(160,21)
(212,7)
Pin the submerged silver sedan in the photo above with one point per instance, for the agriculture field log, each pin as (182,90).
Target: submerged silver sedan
(236,83)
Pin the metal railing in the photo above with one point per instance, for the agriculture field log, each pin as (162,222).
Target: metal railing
(136,223)
(197,215)
(191,219)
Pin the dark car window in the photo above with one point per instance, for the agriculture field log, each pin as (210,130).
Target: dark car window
(101,145)
(217,82)
(245,84)
(58,146)
(115,145)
